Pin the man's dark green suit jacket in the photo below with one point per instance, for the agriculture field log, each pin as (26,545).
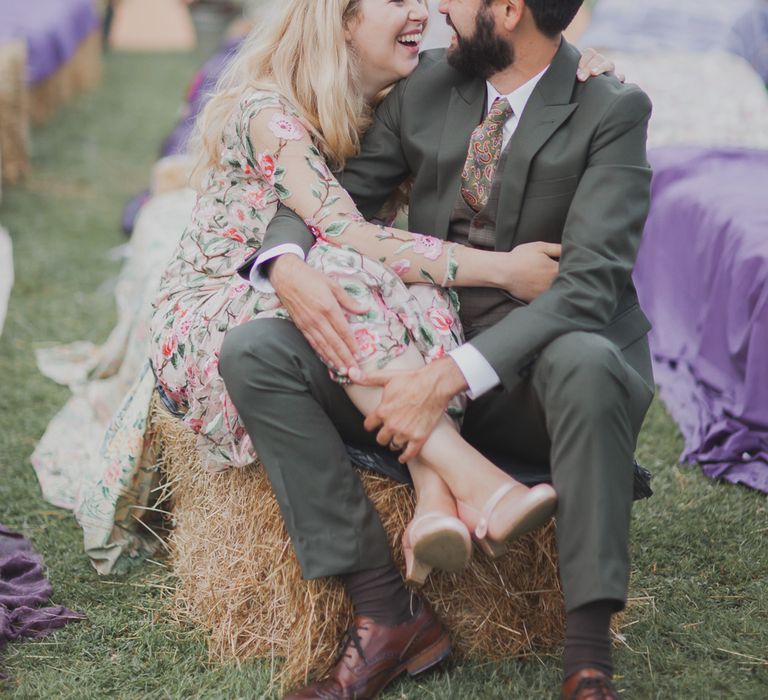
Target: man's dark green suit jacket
(576,174)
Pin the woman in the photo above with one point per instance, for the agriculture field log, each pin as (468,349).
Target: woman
(267,138)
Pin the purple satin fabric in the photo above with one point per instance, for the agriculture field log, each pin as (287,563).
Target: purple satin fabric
(23,589)
(702,278)
(53,29)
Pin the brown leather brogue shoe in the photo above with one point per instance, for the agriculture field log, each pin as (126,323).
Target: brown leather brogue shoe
(588,684)
(372,655)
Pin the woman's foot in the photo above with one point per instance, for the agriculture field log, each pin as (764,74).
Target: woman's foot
(512,510)
(435,540)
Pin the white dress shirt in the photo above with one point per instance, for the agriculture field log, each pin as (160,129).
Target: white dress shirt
(480,376)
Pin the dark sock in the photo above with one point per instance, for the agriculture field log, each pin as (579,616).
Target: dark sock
(588,638)
(379,594)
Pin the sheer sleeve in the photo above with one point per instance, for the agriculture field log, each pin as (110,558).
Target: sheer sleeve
(282,150)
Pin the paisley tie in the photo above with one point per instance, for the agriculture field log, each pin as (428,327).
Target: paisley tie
(483,156)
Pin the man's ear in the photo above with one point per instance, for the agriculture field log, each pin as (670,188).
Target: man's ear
(513,11)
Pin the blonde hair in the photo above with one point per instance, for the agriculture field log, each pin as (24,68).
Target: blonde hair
(298,50)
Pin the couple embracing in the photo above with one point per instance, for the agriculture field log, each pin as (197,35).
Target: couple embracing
(507,326)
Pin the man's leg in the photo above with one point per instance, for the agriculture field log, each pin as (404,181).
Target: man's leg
(581,412)
(297,419)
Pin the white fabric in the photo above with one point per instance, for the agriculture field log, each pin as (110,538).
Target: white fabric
(480,376)
(6,274)
(517,99)
(710,99)
(260,281)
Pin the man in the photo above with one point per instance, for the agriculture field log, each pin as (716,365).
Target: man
(564,381)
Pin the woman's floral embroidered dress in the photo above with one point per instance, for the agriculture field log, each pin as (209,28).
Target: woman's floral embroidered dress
(268,158)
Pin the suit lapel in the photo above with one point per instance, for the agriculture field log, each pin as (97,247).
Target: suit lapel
(549,106)
(464,113)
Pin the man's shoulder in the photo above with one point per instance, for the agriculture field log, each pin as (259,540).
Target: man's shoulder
(606,95)
(431,57)
(433,74)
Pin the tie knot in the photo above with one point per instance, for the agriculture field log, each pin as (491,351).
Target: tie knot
(500,111)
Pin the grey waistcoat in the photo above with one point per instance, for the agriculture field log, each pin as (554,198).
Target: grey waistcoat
(481,307)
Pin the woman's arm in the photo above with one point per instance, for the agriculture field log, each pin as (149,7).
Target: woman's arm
(282,149)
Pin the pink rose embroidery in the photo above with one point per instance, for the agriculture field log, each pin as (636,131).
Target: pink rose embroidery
(366,341)
(267,166)
(401,267)
(169,345)
(184,328)
(233,234)
(436,353)
(196,424)
(428,246)
(257,199)
(315,230)
(440,319)
(112,475)
(211,366)
(237,289)
(286,128)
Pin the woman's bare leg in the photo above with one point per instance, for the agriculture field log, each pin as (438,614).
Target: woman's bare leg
(445,455)
(458,491)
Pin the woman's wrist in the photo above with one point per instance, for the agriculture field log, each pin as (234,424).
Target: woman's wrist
(480,268)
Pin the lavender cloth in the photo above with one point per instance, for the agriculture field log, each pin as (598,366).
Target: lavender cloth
(200,90)
(679,25)
(23,588)
(53,29)
(702,278)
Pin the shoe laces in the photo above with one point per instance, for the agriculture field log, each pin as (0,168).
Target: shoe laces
(351,638)
(601,688)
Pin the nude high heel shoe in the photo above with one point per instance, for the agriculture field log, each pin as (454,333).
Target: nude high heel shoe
(435,541)
(512,510)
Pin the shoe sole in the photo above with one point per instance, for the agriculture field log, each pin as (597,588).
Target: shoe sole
(447,550)
(533,519)
(430,657)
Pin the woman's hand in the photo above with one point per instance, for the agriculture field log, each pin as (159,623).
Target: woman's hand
(317,305)
(594,63)
(529,269)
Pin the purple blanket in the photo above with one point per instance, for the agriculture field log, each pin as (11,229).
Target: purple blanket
(23,588)
(53,29)
(702,277)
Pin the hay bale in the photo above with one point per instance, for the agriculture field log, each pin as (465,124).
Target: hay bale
(14,112)
(80,73)
(239,578)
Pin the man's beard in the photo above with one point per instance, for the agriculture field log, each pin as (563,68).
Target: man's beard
(483,54)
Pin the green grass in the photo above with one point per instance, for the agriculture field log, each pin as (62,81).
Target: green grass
(698,627)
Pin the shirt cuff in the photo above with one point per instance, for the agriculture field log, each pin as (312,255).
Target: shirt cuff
(259,281)
(480,376)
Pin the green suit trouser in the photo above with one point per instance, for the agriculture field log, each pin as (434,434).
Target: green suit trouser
(579,412)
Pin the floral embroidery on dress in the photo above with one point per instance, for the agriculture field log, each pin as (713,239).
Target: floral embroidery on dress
(267,158)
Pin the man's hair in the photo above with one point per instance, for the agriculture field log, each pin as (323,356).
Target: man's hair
(552,16)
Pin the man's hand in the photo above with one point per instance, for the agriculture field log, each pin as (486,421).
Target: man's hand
(316,304)
(412,404)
